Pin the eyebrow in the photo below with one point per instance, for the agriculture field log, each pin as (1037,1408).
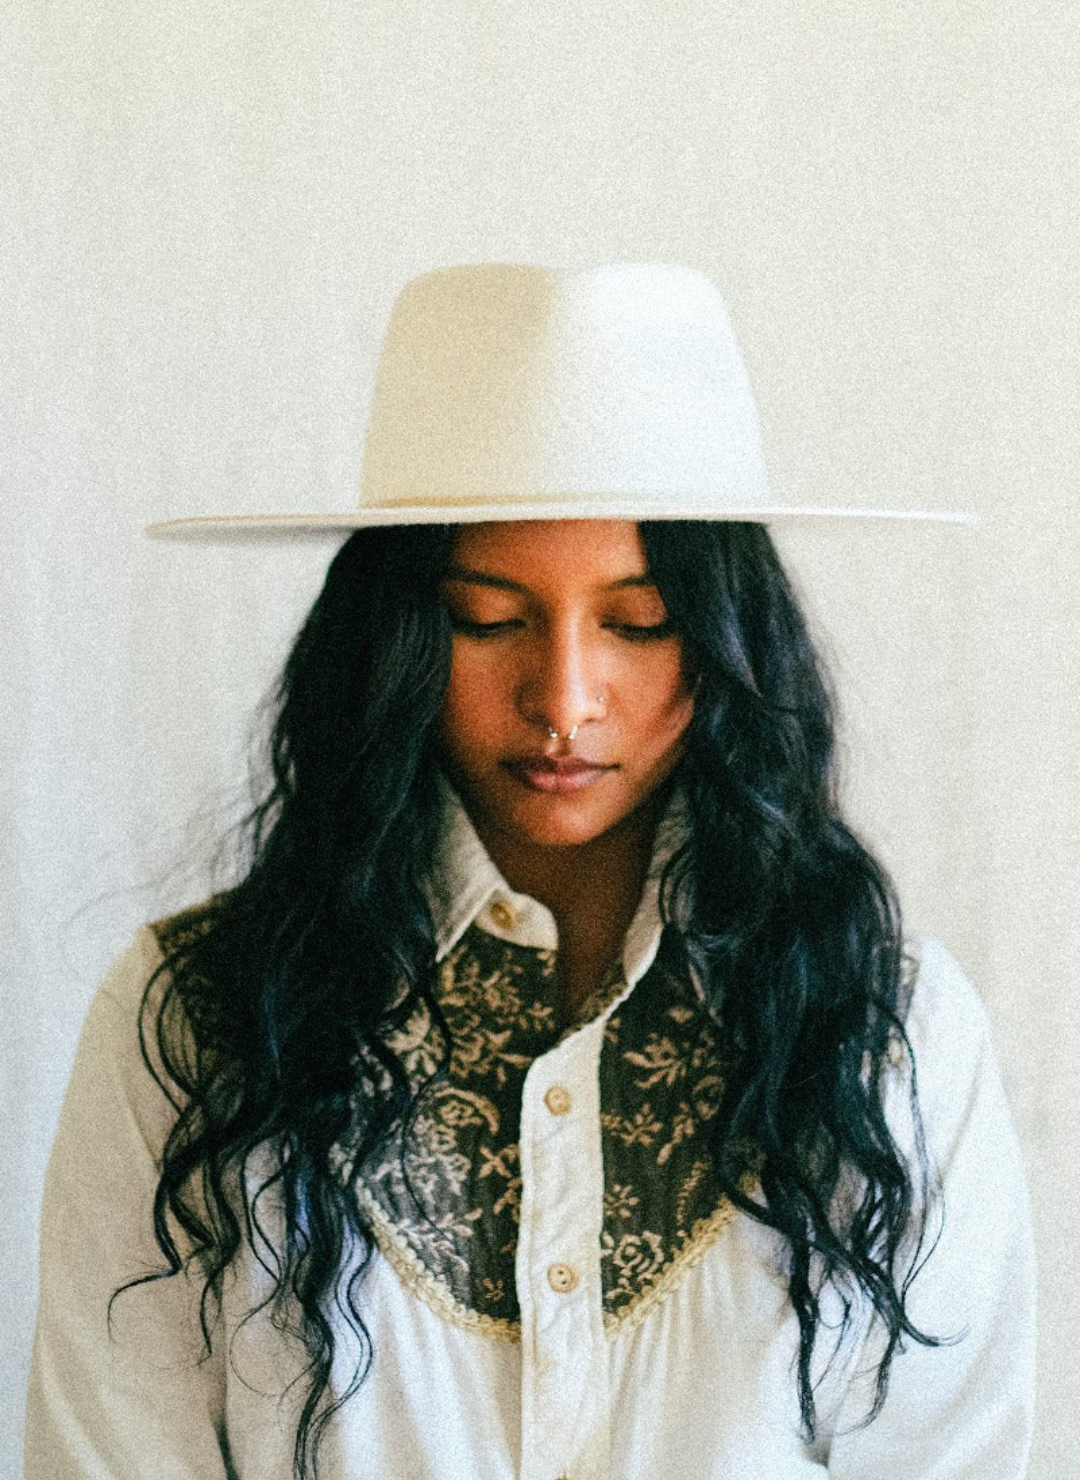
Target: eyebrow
(503,583)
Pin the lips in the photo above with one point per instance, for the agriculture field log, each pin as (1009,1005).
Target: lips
(556,775)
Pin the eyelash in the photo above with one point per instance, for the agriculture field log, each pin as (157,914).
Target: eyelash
(645,634)
(626,630)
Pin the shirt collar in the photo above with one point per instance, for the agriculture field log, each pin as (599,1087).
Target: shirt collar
(466,888)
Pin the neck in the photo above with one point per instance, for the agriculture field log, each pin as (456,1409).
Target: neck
(592,889)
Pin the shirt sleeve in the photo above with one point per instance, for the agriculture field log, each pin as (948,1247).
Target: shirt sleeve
(962,1410)
(133,1394)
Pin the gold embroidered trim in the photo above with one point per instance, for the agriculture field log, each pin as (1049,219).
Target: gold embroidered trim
(416,1277)
(705,1232)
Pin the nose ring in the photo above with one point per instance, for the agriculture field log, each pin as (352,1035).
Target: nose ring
(568,737)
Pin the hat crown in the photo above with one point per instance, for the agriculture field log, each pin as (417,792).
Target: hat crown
(507,383)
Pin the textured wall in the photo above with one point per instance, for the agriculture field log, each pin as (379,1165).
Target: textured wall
(207,208)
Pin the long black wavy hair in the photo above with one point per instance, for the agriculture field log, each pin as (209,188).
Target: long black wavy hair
(275,999)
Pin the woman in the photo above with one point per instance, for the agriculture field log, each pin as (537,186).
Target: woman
(555,1095)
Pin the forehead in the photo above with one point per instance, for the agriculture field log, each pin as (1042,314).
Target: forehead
(593,552)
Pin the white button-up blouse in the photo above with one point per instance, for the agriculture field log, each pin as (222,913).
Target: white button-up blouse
(551,1298)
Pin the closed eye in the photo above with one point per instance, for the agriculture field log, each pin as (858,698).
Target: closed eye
(485,629)
(635,632)
(629,631)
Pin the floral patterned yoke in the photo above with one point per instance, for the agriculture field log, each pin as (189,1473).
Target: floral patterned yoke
(444,1192)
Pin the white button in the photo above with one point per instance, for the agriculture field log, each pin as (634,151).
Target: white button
(562,1278)
(503,915)
(558,1099)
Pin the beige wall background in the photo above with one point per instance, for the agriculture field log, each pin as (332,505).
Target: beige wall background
(207,208)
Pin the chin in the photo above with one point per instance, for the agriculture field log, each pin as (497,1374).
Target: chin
(563,823)
(553,827)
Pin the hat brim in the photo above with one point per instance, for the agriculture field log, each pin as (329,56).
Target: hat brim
(241,525)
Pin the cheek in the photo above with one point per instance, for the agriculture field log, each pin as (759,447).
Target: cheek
(670,715)
(456,733)
(673,731)
(471,709)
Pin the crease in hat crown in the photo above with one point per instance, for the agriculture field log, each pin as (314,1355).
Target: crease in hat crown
(531,384)
(512,391)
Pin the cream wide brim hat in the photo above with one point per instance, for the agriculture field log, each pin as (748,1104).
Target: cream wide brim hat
(509,392)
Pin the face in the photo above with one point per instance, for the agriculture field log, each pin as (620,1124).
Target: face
(568,703)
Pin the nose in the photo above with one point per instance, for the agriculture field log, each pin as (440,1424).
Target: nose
(564,685)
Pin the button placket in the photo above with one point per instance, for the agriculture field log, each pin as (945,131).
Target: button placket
(565,1405)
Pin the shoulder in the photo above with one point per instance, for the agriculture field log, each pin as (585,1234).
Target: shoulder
(945,1018)
(153,946)
(145,961)
(942,999)
(960,1093)
(135,1014)
(176,934)
(125,983)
